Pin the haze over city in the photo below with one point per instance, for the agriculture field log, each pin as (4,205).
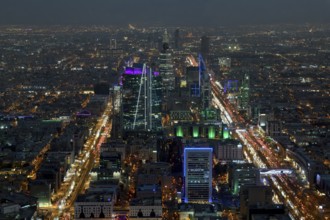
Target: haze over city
(165,110)
(164,13)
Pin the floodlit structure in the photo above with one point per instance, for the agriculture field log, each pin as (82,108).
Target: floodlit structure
(197,175)
(141,98)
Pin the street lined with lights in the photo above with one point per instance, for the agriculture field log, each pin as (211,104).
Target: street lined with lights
(262,155)
(76,177)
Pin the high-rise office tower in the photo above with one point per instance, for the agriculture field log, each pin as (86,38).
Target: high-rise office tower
(166,66)
(113,44)
(132,104)
(155,99)
(193,80)
(166,40)
(177,40)
(198,82)
(197,175)
(244,93)
(253,195)
(205,46)
(116,97)
(141,100)
(154,40)
(205,85)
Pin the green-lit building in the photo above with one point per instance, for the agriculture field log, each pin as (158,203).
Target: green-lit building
(188,130)
(225,133)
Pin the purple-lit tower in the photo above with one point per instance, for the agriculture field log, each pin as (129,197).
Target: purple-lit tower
(141,107)
(197,171)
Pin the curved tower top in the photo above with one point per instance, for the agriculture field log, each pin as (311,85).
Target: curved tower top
(166,40)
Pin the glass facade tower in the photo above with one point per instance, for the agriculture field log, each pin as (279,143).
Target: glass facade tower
(198,175)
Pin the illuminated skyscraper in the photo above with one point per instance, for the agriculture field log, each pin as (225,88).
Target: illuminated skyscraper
(197,175)
(141,98)
(132,104)
(115,94)
(166,66)
(205,46)
(193,78)
(113,43)
(177,40)
(155,100)
(244,93)
(205,85)
(198,82)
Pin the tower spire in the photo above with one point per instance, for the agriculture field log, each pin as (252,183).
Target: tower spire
(166,41)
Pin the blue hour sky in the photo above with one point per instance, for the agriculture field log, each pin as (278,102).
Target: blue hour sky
(164,12)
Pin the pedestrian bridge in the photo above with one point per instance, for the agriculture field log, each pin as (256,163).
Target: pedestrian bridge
(271,172)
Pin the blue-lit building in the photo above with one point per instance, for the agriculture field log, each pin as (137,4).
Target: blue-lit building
(198,83)
(197,175)
(192,77)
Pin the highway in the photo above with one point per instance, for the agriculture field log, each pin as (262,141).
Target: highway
(288,189)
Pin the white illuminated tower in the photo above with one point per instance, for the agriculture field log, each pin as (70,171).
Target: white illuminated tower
(244,93)
(198,175)
(141,101)
(204,83)
(134,98)
(166,66)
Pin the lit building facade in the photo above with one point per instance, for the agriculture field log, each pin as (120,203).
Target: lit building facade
(94,206)
(244,94)
(205,85)
(242,175)
(155,99)
(177,39)
(198,83)
(147,208)
(192,76)
(205,46)
(142,97)
(191,130)
(166,66)
(230,151)
(116,96)
(274,128)
(166,70)
(132,107)
(197,175)
(251,195)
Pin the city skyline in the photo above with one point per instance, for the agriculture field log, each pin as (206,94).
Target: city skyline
(163,13)
(165,110)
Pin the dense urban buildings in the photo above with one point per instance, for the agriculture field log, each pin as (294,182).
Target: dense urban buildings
(164,123)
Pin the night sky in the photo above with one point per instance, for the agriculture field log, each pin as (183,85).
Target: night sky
(164,12)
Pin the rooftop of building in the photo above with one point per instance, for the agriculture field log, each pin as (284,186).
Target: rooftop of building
(150,201)
(206,208)
(95,197)
(270,217)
